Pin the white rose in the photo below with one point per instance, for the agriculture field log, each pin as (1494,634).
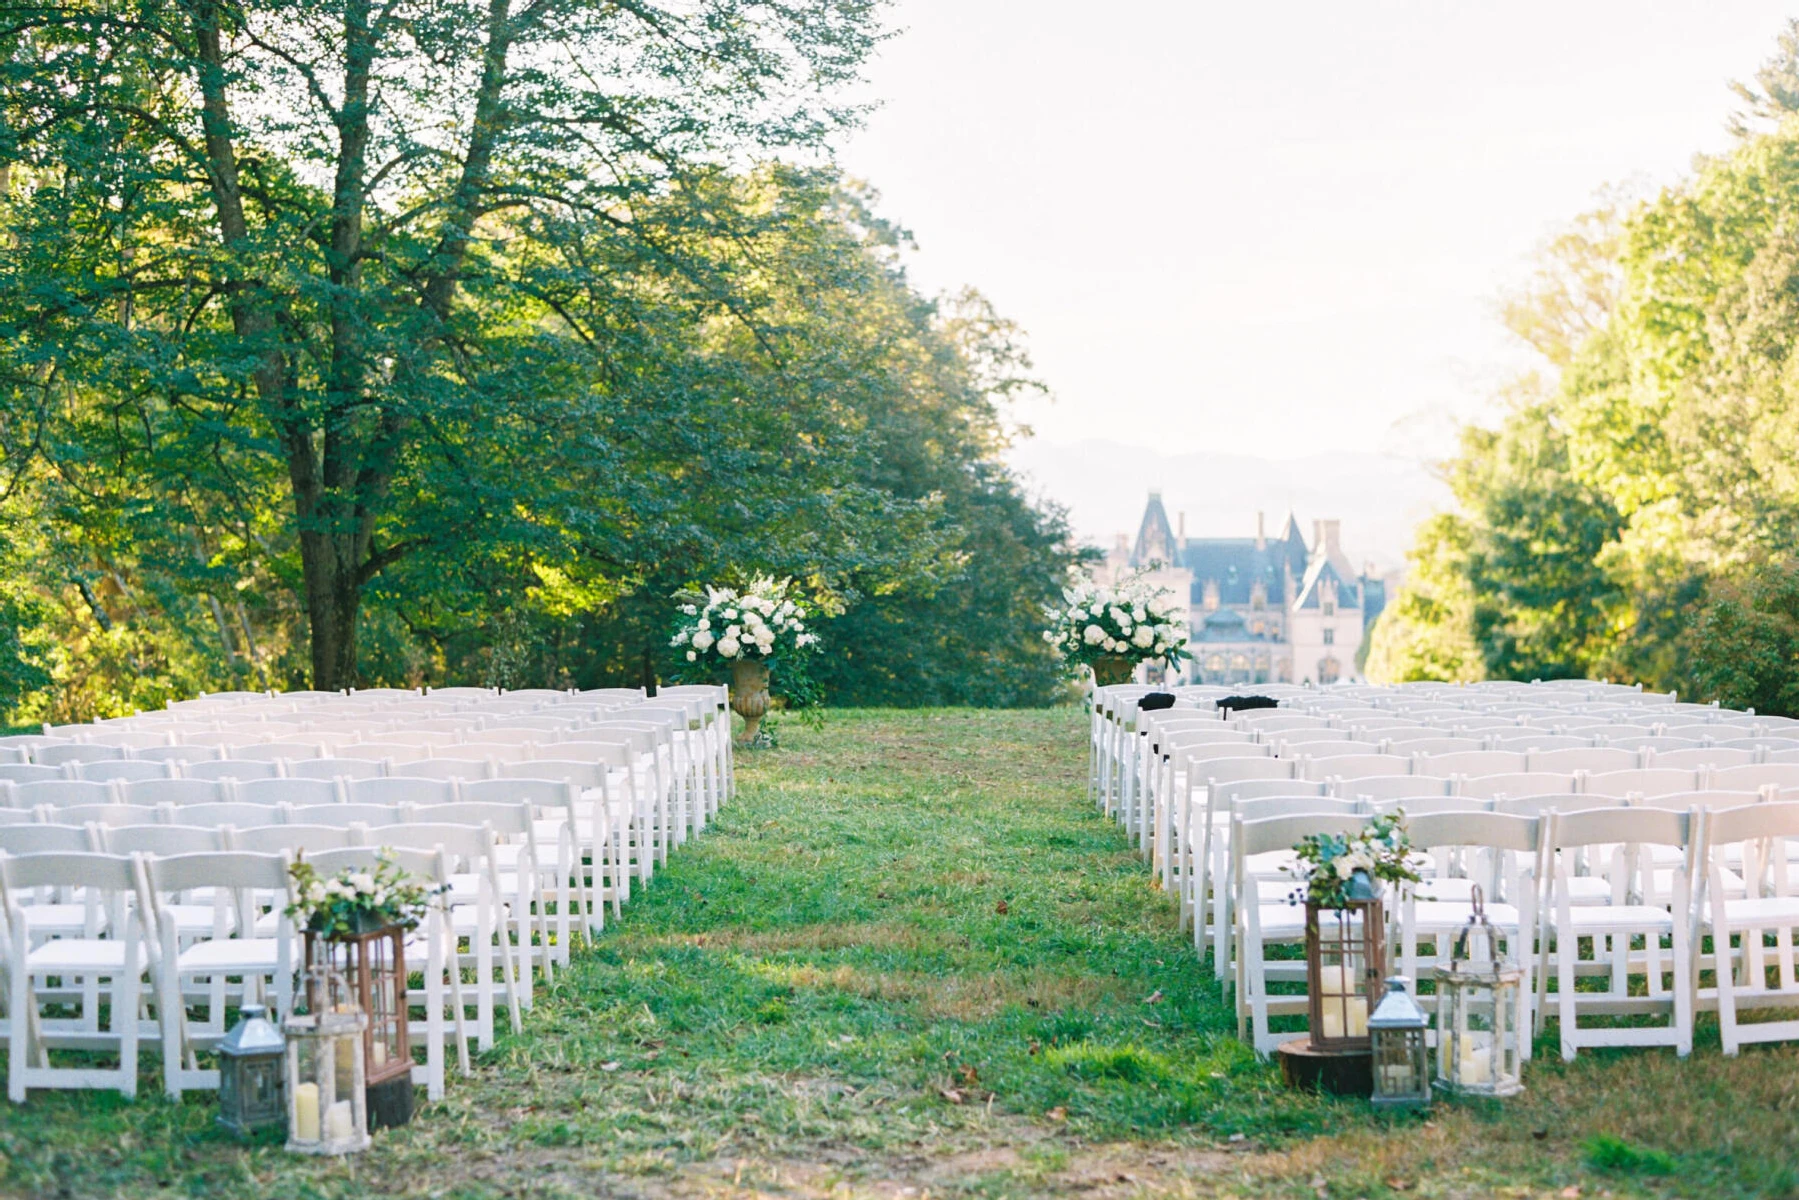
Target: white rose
(730,614)
(728,646)
(1145,636)
(689,609)
(691,656)
(1137,613)
(796,627)
(805,639)
(1094,635)
(702,641)
(734,631)
(704,624)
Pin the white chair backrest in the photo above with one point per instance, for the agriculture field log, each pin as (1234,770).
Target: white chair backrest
(352,813)
(1430,745)
(236,813)
(1755,775)
(174,791)
(337,768)
(1559,802)
(290,791)
(400,789)
(179,754)
(45,839)
(1472,762)
(1421,805)
(1391,787)
(1249,789)
(160,840)
(297,840)
(1535,740)
(233,768)
(121,769)
(612,754)
(271,751)
(1705,800)
(28,772)
(1282,833)
(1228,770)
(1592,758)
(540,793)
(60,793)
(1355,766)
(443,768)
(1702,756)
(74,752)
(1520,783)
(1647,781)
(581,774)
(1262,808)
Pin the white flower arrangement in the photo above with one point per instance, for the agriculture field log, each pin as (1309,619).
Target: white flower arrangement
(760,621)
(1130,619)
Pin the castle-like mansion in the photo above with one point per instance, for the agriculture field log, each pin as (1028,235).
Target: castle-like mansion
(1261,609)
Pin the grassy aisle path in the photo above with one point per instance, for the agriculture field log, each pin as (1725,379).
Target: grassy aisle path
(910,960)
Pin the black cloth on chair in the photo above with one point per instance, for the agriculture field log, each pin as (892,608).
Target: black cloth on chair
(1151,701)
(1245,703)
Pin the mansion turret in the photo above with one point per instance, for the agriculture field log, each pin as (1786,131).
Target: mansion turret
(1260,609)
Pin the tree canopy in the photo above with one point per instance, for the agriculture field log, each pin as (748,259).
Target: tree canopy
(347,342)
(1636,503)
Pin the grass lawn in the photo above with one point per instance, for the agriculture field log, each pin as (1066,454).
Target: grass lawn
(911,960)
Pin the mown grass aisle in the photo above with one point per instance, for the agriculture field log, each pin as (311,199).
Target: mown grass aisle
(910,955)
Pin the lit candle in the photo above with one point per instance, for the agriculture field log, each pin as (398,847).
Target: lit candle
(338,1120)
(306,1113)
(1333,1021)
(1477,1065)
(1358,1016)
(380,1054)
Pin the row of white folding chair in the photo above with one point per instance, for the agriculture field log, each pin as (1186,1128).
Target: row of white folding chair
(1649,900)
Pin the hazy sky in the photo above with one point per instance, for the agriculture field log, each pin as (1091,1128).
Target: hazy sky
(1277,228)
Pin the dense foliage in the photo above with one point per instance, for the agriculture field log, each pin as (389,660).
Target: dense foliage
(344,343)
(1634,514)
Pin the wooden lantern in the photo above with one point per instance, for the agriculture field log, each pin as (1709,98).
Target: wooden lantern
(373,964)
(1480,1040)
(1346,960)
(326,1108)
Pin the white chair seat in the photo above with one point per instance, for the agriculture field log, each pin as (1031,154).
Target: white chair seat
(1282,921)
(1597,918)
(1448,916)
(1589,890)
(250,955)
(1766,912)
(81,955)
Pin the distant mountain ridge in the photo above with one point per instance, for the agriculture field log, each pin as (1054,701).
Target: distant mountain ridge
(1379,498)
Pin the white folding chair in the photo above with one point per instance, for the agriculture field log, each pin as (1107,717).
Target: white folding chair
(236,948)
(1615,838)
(110,945)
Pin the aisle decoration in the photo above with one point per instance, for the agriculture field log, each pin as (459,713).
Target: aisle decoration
(1481,1034)
(1111,628)
(355,927)
(1341,878)
(747,629)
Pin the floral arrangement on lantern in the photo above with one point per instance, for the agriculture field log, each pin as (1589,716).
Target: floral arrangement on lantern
(759,621)
(1328,863)
(1127,622)
(357,900)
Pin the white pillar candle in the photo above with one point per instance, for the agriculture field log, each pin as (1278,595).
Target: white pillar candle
(306,1112)
(1477,1065)
(1358,1016)
(380,1053)
(339,1124)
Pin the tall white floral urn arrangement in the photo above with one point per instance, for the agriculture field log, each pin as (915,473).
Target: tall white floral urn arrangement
(1112,628)
(746,629)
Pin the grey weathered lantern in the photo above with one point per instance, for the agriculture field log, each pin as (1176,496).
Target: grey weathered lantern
(1480,1040)
(1402,1067)
(252,1074)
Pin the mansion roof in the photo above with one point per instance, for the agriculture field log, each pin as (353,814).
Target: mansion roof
(1235,565)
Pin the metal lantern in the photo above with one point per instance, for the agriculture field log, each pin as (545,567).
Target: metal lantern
(1402,1075)
(373,964)
(1480,1042)
(326,1110)
(1346,959)
(252,1074)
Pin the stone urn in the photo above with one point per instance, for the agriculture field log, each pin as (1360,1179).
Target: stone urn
(749,695)
(1111,669)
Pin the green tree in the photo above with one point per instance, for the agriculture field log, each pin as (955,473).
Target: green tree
(1745,642)
(336,283)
